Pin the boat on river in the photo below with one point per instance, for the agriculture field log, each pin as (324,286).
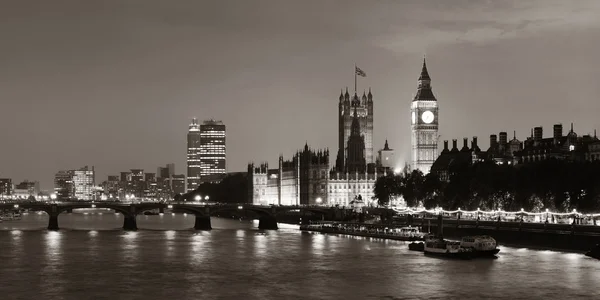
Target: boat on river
(445,248)
(416,246)
(594,253)
(480,245)
(10,216)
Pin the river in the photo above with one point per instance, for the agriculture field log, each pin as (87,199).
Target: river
(92,258)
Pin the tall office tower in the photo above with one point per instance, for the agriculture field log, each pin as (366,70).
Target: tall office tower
(63,185)
(213,157)
(193,156)
(83,183)
(424,124)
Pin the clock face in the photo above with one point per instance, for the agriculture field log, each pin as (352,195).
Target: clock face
(414,117)
(427,117)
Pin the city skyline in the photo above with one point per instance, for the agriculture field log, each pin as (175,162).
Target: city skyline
(136,109)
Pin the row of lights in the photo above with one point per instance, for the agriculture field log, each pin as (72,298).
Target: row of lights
(478,211)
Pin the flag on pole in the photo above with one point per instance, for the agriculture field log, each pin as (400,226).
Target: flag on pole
(360,72)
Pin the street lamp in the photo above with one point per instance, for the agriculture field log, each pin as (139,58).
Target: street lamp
(198,198)
(319,200)
(206,198)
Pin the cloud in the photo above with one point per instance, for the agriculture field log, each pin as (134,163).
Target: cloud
(486,22)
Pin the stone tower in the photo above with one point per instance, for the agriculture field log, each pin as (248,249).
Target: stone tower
(363,107)
(424,124)
(355,161)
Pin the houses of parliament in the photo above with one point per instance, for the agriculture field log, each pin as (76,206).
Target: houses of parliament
(311,176)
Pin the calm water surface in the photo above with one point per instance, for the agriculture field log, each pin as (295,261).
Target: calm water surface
(91,258)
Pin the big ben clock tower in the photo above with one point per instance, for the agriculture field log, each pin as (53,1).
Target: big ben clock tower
(424,124)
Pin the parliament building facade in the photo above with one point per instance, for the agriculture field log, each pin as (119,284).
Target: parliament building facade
(312,177)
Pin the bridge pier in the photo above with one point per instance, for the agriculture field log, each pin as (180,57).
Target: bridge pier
(161,210)
(129,222)
(69,210)
(268,223)
(53,222)
(202,223)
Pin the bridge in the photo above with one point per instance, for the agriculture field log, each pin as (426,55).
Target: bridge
(202,211)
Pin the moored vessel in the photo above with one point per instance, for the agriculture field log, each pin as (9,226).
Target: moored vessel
(480,245)
(416,246)
(594,253)
(448,249)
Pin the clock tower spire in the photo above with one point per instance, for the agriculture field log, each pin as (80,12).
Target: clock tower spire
(424,124)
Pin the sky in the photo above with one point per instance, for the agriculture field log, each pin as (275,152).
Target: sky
(114,84)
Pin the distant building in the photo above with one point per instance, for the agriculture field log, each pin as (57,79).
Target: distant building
(83,183)
(111,187)
(178,184)
(451,160)
(386,158)
(213,151)
(63,185)
(6,188)
(26,189)
(594,149)
(193,156)
(503,151)
(166,172)
(563,147)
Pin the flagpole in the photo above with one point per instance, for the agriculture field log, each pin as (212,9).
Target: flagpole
(354,78)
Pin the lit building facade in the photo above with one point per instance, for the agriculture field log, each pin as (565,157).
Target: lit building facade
(26,189)
(6,188)
(213,151)
(83,183)
(386,157)
(424,124)
(310,178)
(63,185)
(193,156)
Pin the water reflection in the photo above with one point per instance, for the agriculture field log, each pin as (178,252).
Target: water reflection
(52,278)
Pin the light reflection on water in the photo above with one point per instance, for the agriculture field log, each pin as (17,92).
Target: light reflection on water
(237,261)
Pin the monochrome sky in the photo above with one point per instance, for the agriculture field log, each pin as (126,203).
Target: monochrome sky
(114,84)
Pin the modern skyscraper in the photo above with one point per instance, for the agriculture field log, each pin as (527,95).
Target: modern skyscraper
(424,124)
(193,156)
(63,185)
(213,154)
(83,182)
(364,108)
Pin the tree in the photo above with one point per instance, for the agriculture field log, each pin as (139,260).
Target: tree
(387,187)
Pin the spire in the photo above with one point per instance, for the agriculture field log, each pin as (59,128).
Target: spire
(355,129)
(386,147)
(424,91)
(347,95)
(341,95)
(514,135)
(424,73)
(595,134)
(571,126)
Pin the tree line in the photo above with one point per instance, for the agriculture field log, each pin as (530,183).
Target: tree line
(556,185)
